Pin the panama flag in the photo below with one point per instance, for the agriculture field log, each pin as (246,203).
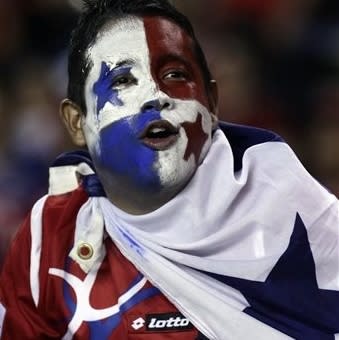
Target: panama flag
(250,246)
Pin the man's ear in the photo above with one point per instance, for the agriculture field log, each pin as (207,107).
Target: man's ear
(213,101)
(72,116)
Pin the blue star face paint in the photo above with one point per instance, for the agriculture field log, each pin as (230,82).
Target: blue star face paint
(104,88)
(134,88)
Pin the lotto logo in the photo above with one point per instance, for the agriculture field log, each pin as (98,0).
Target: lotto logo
(138,323)
(166,322)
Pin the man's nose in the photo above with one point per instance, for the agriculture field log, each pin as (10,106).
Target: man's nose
(156,104)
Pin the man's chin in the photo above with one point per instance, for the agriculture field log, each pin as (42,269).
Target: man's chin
(146,192)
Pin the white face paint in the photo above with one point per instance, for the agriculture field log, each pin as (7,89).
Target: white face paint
(127,89)
(124,41)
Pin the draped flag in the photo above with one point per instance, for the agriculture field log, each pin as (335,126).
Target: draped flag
(249,248)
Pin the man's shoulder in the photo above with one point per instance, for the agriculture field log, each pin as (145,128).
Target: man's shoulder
(59,207)
(243,137)
(248,135)
(70,185)
(67,192)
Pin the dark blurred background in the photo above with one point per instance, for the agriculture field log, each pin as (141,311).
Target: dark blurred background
(276,62)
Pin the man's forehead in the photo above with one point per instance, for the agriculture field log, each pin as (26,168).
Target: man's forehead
(118,38)
(122,39)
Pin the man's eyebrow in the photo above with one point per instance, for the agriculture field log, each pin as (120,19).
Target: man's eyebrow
(121,67)
(175,57)
(124,62)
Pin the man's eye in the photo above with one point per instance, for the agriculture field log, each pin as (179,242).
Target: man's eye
(123,81)
(175,75)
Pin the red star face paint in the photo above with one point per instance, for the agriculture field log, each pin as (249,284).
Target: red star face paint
(147,117)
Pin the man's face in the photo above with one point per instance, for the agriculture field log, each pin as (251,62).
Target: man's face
(147,121)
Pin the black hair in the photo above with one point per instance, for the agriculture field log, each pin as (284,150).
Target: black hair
(95,14)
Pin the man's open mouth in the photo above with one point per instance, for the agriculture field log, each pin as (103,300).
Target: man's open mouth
(159,135)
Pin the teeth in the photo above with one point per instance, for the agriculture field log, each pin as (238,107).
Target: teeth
(157,130)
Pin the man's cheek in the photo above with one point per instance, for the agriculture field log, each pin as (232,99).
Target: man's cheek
(122,154)
(186,91)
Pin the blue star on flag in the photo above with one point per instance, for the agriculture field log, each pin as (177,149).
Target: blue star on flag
(290,300)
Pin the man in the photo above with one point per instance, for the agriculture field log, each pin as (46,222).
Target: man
(195,229)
